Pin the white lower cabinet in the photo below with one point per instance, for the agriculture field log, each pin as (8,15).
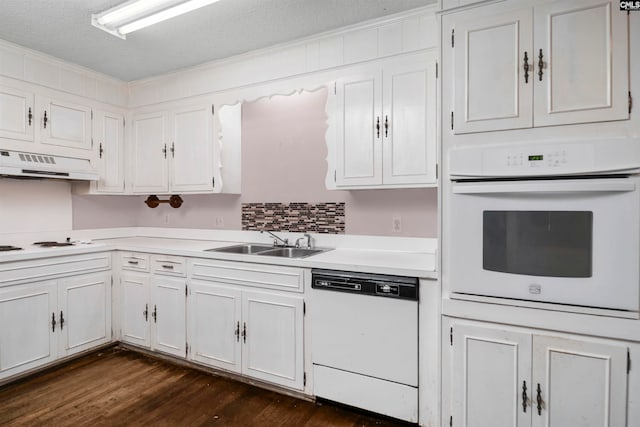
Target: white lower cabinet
(503,376)
(215,314)
(253,333)
(84,312)
(46,320)
(153,308)
(28,331)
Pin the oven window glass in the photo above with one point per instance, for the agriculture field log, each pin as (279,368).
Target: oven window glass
(538,243)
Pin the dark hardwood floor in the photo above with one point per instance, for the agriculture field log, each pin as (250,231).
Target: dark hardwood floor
(118,387)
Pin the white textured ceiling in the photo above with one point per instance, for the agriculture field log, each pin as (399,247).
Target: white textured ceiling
(62,28)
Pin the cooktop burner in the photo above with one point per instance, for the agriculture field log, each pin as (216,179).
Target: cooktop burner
(4,248)
(52,244)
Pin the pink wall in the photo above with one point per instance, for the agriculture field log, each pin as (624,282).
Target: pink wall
(283,160)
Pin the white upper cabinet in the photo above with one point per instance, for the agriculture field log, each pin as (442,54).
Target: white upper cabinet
(558,63)
(108,131)
(64,124)
(409,144)
(191,161)
(150,147)
(17,119)
(585,74)
(359,128)
(385,126)
(491,91)
(173,151)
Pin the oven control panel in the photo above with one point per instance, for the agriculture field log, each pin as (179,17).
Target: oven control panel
(542,160)
(534,159)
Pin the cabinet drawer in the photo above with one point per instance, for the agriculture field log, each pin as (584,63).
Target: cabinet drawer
(134,261)
(258,275)
(173,266)
(22,271)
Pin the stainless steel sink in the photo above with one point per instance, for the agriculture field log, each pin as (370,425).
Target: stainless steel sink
(257,249)
(292,252)
(246,248)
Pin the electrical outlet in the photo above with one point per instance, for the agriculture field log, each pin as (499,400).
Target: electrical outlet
(396,224)
(219,221)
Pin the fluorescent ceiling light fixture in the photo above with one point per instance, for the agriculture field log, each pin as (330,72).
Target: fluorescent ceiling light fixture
(136,14)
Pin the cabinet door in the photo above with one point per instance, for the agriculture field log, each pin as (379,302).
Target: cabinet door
(581,383)
(149,168)
(214,325)
(84,312)
(65,124)
(409,148)
(490,88)
(272,347)
(584,46)
(192,149)
(359,130)
(17,114)
(491,366)
(169,315)
(108,131)
(136,312)
(27,328)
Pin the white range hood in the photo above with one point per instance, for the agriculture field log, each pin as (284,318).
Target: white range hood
(18,164)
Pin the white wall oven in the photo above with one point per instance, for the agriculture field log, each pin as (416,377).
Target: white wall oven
(540,223)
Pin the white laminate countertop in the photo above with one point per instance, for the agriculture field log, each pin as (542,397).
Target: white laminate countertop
(395,262)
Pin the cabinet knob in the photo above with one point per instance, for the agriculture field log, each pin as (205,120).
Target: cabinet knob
(30,116)
(526,68)
(541,65)
(539,400)
(378,126)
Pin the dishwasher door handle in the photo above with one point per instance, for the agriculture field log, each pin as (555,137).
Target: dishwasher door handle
(347,286)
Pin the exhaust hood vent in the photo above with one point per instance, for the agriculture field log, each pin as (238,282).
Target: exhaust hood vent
(17,164)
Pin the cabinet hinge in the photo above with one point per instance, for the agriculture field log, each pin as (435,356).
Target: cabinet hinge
(452,120)
(335,175)
(453,43)
(304,379)
(112,281)
(630,102)
(436,70)
(451,335)
(213,110)
(436,171)
(628,361)
(451,421)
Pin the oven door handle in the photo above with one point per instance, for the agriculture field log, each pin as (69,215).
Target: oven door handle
(586,186)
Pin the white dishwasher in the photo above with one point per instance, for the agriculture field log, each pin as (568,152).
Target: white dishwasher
(364,341)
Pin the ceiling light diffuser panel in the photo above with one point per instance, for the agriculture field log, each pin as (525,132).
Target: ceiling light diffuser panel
(137,14)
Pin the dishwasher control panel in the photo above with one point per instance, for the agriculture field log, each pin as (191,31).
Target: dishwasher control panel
(366,284)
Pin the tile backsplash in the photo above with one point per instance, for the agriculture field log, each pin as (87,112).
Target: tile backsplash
(294,217)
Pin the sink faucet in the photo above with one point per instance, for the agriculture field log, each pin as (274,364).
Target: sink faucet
(285,242)
(307,245)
